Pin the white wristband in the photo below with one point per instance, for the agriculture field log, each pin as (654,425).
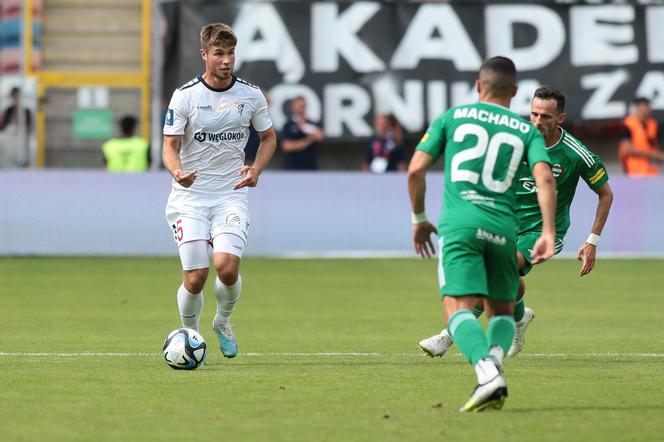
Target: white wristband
(418,218)
(593,239)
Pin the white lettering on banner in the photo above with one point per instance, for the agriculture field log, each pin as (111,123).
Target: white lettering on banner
(500,20)
(436,38)
(346,104)
(408,110)
(655,34)
(599,105)
(352,108)
(274,45)
(462,93)
(282,93)
(436,100)
(420,43)
(334,34)
(524,95)
(652,86)
(600,35)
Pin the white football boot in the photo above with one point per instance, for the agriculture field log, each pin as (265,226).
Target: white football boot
(520,336)
(491,389)
(437,345)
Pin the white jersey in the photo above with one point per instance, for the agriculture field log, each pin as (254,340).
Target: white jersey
(214,124)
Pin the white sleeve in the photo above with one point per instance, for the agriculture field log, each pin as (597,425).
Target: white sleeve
(261,119)
(177,114)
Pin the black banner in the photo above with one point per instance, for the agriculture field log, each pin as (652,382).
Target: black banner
(416,59)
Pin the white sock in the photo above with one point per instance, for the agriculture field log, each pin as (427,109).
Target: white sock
(498,353)
(445,334)
(190,306)
(486,370)
(227,298)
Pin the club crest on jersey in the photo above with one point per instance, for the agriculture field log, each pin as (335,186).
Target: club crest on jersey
(240,106)
(222,106)
(557,170)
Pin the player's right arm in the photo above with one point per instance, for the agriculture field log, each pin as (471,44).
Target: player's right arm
(177,118)
(546,196)
(171,159)
(422,228)
(426,152)
(540,162)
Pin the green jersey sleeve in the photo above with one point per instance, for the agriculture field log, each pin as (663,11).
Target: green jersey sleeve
(537,150)
(432,141)
(593,172)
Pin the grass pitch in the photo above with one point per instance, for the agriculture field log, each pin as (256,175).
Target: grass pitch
(327,353)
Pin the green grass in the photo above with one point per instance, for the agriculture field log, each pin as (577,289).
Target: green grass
(602,388)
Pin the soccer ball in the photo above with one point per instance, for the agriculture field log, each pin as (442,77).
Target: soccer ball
(184,349)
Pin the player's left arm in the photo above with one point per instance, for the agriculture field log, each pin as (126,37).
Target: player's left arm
(587,251)
(266,149)
(261,121)
(597,179)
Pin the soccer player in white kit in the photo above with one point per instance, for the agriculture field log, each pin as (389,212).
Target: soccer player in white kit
(205,132)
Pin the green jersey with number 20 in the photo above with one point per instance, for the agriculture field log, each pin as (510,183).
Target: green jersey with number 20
(484,145)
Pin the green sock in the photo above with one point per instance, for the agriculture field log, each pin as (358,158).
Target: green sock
(501,331)
(468,336)
(520,309)
(478,310)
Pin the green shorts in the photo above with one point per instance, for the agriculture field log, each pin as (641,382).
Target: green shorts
(525,243)
(476,262)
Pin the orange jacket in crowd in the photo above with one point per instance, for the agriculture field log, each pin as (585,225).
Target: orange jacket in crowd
(643,139)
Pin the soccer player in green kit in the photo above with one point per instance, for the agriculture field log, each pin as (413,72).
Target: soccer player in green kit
(571,161)
(483,144)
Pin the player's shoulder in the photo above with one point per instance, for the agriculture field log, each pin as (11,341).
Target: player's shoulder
(576,149)
(190,84)
(247,89)
(244,83)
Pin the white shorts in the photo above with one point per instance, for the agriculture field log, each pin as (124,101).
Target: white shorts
(204,224)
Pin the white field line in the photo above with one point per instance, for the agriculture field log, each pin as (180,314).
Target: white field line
(332,354)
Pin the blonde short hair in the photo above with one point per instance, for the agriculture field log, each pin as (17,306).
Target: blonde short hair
(217,34)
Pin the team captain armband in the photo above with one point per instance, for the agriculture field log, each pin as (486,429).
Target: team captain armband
(418,218)
(598,176)
(593,239)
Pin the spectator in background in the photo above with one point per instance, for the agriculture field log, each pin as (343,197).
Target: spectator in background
(385,152)
(128,153)
(10,116)
(640,143)
(300,138)
(251,149)
(13,151)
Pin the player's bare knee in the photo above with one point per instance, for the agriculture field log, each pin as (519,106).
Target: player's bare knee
(194,280)
(228,276)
